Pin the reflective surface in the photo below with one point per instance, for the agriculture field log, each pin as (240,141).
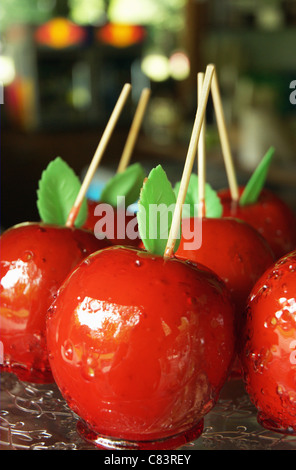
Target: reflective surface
(37,417)
(35,259)
(142,363)
(268,346)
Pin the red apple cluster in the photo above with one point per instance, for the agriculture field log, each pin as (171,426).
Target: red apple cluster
(140,345)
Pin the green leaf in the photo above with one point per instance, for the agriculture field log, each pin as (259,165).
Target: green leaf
(212,201)
(57,192)
(127,184)
(156,208)
(255,184)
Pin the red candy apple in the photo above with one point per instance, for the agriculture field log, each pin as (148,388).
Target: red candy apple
(233,250)
(140,347)
(35,260)
(274,220)
(268,352)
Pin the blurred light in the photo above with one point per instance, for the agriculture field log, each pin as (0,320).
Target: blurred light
(270,17)
(87,12)
(179,65)
(156,67)
(81,97)
(168,14)
(7,70)
(133,12)
(81,78)
(59,33)
(121,35)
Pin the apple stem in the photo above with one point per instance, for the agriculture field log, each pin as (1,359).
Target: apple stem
(134,130)
(228,160)
(201,155)
(98,154)
(191,155)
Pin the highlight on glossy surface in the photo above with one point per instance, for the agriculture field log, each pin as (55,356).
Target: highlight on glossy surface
(35,260)
(140,347)
(268,352)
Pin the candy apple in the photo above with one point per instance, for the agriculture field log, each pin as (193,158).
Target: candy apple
(233,249)
(272,217)
(35,260)
(268,351)
(236,252)
(140,347)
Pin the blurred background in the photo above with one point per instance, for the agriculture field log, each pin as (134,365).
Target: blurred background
(63,64)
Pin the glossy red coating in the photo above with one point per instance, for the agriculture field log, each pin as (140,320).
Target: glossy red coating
(268,352)
(140,347)
(234,251)
(35,260)
(119,226)
(272,217)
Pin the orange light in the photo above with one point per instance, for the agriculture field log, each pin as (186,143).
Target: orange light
(121,35)
(59,33)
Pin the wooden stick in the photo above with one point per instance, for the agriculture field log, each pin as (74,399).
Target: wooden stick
(228,161)
(134,130)
(201,156)
(191,155)
(98,154)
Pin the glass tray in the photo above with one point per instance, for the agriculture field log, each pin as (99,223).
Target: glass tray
(36,417)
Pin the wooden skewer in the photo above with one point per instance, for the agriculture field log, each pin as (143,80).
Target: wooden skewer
(191,155)
(98,154)
(201,154)
(228,161)
(134,130)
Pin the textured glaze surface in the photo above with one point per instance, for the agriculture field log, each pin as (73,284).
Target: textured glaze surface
(36,417)
(273,219)
(115,224)
(140,346)
(35,260)
(234,251)
(269,353)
